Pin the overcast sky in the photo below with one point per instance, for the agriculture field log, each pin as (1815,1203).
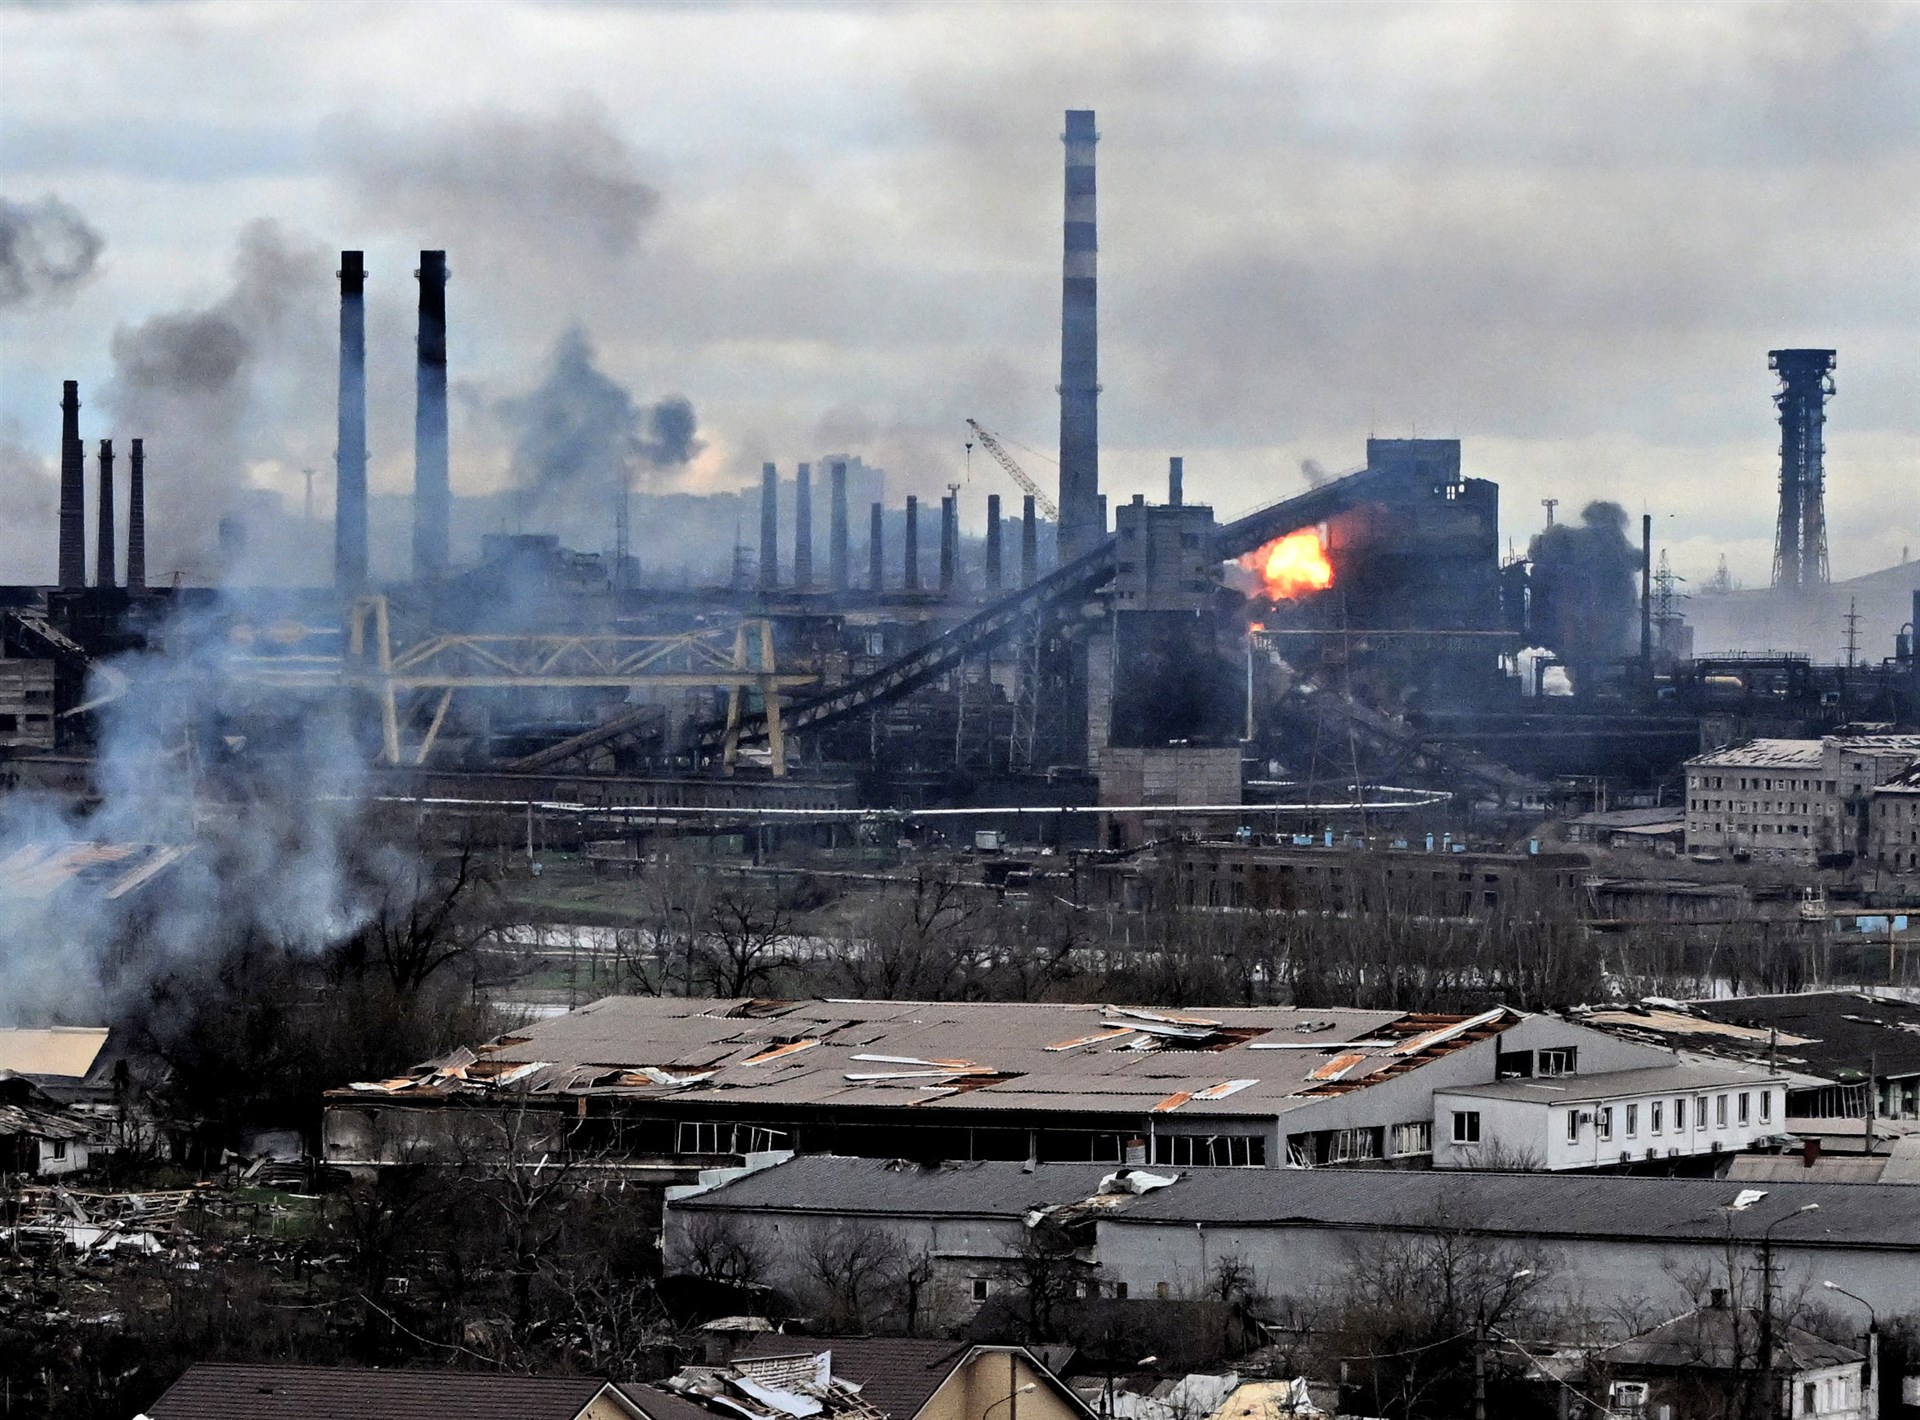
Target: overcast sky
(1565,234)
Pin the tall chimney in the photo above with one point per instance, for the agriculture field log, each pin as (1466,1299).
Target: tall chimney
(1176,482)
(994,532)
(803,527)
(1029,542)
(877,548)
(137,518)
(103,555)
(350,450)
(837,528)
(1646,591)
(911,578)
(769,527)
(949,540)
(73,490)
(432,492)
(1080,521)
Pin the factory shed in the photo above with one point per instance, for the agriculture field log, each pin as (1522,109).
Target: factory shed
(677,1085)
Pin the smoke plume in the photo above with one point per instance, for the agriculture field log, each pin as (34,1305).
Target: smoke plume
(271,815)
(190,382)
(1582,585)
(47,250)
(580,437)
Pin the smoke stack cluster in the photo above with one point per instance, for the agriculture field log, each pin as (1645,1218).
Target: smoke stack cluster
(769,527)
(911,563)
(350,453)
(432,490)
(949,540)
(837,532)
(877,548)
(993,542)
(1029,542)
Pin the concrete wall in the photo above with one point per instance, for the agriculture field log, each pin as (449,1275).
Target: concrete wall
(1305,1264)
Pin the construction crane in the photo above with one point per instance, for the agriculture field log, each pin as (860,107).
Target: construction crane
(1018,474)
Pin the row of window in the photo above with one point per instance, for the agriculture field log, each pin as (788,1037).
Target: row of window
(1466,1122)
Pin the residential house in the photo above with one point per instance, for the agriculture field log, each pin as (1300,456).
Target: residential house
(1713,1361)
(776,1377)
(38,1138)
(240,1392)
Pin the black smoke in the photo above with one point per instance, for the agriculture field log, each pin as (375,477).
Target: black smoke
(1583,598)
(580,436)
(47,250)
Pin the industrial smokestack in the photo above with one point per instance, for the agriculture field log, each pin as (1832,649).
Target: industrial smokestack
(103,554)
(837,528)
(1029,542)
(73,490)
(911,579)
(949,540)
(877,548)
(994,533)
(350,450)
(1176,482)
(803,528)
(137,518)
(769,527)
(432,491)
(1800,538)
(1646,590)
(1080,517)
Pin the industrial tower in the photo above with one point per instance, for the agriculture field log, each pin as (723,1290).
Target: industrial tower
(1800,543)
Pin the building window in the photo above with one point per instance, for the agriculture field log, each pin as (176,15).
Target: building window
(1766,1106)
(1633,1120)
(59,1148)
(1414,1138)
(1211,1150)
(1655,1110)
(1809,1398)
(1573,1126)
(1719,1111)
(1466,1126)
(1119,1291)
(1746,1108)
(697,1138)
(982,1288)
(1604,1118)
(1163,1291)
(1560,1060)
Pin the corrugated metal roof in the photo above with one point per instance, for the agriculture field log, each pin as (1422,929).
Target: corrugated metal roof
(1763,754)
(1616,1084)
(956,1055)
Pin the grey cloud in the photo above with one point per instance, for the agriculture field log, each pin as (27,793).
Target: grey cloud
(47,249)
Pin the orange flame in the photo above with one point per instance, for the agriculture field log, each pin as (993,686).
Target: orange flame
(1291,566)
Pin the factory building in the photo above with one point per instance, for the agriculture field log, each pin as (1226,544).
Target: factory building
(1792,800)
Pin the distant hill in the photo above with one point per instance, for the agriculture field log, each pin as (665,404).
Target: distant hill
(1812,623)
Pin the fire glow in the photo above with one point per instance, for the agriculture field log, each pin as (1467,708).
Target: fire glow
(1291,566)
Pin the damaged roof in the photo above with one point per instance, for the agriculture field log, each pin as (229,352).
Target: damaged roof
(946,1055)
(211,1391)
(828,1183)
(111,870)
(1828,1035)
(65,1051)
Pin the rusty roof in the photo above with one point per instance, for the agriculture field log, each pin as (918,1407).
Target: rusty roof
(951,1055)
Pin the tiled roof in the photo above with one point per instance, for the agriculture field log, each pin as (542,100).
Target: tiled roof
(896,1375)
(226,1392)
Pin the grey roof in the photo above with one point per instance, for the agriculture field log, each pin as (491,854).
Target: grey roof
(1838,1030)
(940,1056)
(1565,1205)
(1671,816)
(1763,754)
(227,1392)
(1620,1084)
(828,1183)
(1531,1204)
(1721,1338)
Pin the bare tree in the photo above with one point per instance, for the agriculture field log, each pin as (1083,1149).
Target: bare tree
(720,1250)
(747,932)
(855,1271)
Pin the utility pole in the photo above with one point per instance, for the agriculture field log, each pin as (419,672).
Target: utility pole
(1549,504)
(1853,631)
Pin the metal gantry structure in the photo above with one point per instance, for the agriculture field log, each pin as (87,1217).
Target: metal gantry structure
(405,680)
(1800,539)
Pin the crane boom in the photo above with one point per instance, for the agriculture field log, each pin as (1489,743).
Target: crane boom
(1014,471)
